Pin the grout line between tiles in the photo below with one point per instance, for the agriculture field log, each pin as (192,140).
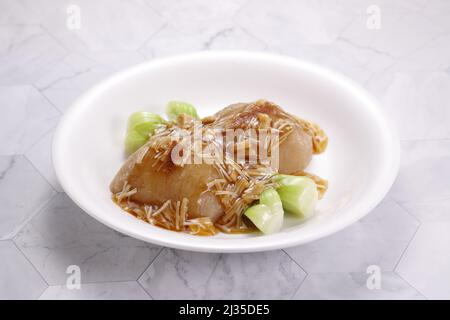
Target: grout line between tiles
(298,264)
(400,259)
(40,173)
(146,41)
(303,269)
(32,265)
(406,248)
(409,284)
(151,262)
(299,287)
(35,212)
(404,209)
(146,292)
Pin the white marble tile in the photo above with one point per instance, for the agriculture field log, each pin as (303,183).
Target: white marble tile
(26,117)
(290,32)
(355,63)
(40,155)
(378,239)
(196,10)
(293,22)
(187,275)
(179,274)
(436,11)
(84,70)
(76,73)
(403,28)
(426,262)
(17,12)
(18,278)
(353,286)
(199,25)
(418,103)
(129,290)
(62,235)
(23,191)
(424,172)
(105,25)
(234,38)
(265,275)
(429,211)
(26,53)
(432,57)
(62,98)
(408,40)
(116,60)
(178,38)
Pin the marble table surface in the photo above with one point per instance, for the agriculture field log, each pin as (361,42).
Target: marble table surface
(52,50)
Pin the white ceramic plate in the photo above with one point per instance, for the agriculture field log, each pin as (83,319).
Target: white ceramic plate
(360,163)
